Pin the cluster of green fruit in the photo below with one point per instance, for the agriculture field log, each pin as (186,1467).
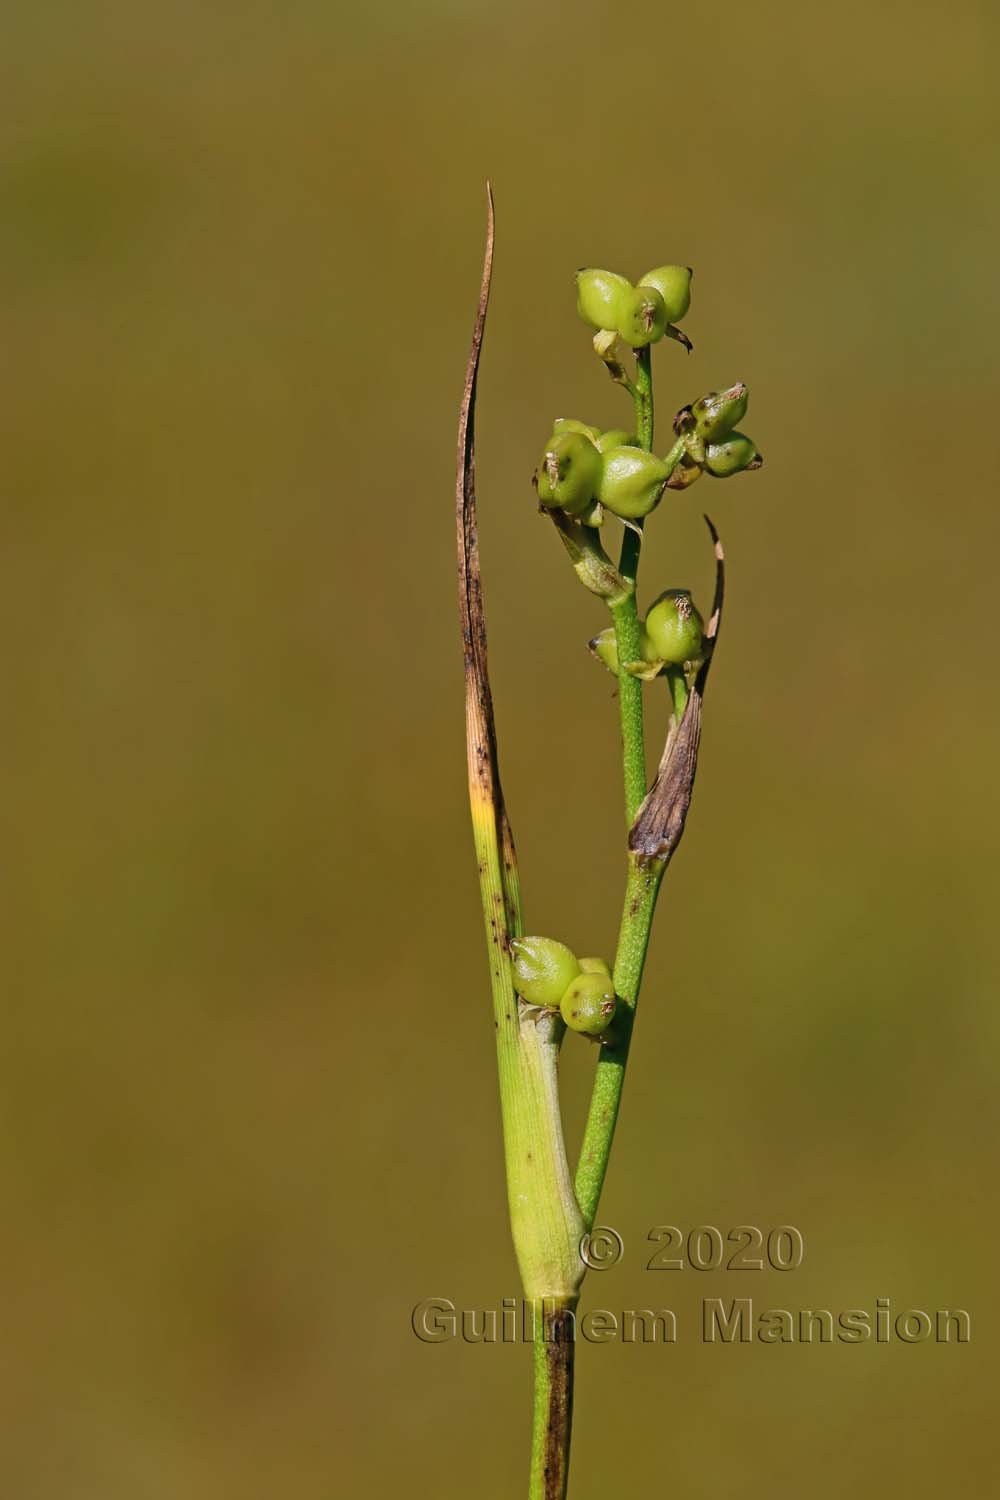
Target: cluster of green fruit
(711,443)
(672,635)
(639,315)
(584,471)
(549,975)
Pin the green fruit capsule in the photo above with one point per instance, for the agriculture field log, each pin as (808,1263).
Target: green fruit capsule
(569,473)
(616,437)
(642,317)
(605,648)
(588,1004)
(675,629)
(737,453)
(632,482)
(542,969)
(570,424)
(595,966)
(717,414)
(674,285)
(599,296)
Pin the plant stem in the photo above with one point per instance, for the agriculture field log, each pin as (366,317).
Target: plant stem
(644,397)
(553,1345)
(627,637)
(677,688)
(643,877)
(642,886)
(625,616)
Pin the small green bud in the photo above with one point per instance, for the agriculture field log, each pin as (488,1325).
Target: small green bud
(570,424)
(599,296)
(632,482)
(593,515)
(616,437)
(569,473)
(595,966)
(642,317)
(674,285)
(675,629)
(543,968)
(716,414)
(685,473)
(605,648)
(588,1005)
(737,453)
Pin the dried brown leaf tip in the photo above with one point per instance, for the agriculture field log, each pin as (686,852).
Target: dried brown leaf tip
(659,823)
(490,821)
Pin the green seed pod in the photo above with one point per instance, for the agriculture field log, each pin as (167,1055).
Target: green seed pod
(595,966)
(717,414)
(570,424)
(674,285)
(616,437)
(542,969)
(605,648)
(588,1004)
(642,317)
(569,473)
(632,482)
(599,296)
(675,629)
(685,473)
(737,453)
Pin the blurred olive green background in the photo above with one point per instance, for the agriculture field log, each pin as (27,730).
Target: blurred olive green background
(247,1107)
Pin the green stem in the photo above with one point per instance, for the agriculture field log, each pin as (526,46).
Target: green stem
(644,397)
(625,615)
(642,887)
(553,1346)
(627,637)
(678,690)
(643,879)
(545,1221)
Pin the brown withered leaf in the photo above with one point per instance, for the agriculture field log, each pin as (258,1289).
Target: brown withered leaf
(659,823)
(480,726)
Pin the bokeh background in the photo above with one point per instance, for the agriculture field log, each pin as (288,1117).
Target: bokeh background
(248,1111)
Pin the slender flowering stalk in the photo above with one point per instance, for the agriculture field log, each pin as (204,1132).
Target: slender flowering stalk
(541,990)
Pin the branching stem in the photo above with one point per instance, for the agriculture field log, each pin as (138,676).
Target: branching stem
(643,877)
